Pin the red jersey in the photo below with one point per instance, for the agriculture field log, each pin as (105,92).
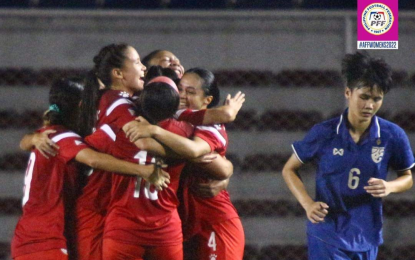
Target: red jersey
(139,214)
(195,117)
(195,210)
(49,187)
(116,109)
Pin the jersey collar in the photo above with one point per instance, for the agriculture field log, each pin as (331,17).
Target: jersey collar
(374,131)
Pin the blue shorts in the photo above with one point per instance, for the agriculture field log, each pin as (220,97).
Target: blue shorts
(317,250)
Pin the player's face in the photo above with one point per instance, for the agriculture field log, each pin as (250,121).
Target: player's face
(133,71)
(167,59)
(364,102)
(191,92)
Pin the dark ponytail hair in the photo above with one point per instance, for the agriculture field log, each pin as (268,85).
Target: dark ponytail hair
(158,101)
(209,85)
(64,97)
(110,57)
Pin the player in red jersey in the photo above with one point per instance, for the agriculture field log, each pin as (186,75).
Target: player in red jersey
(214,222)
(141,222)
(223,114)
(119,69)
(50,183)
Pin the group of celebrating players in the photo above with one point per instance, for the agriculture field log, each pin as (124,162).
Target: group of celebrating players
(130,164)
(126,207)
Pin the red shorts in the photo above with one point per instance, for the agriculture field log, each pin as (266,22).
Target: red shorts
(89,234)
(224,240)
(114,250)
(54,254)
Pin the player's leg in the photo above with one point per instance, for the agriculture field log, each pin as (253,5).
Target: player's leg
(115,250)
(54,254)
(225,240)
(89,232)
(165,252)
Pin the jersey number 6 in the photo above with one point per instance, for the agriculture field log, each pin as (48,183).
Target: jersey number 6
(353,178)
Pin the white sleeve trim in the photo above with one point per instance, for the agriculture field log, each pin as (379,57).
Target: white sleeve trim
(59,137)
(179,113)
(117,103)
(107,129)
(215,132)
(410,167)
(295,152)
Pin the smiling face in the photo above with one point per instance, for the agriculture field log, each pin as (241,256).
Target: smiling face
(191,93)
(167,59)
(364,102)
(132,71)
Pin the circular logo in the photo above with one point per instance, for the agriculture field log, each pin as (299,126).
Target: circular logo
(377,18)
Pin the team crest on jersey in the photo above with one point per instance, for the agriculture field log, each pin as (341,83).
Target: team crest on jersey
(377,153)
(213,257)
(124,94)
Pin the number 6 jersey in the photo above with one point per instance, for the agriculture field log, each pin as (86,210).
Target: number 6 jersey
(354,221)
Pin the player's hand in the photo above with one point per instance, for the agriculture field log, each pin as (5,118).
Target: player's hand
(159,178)
(138,129)
(207,158)
(235,103)
(45,145)
(378,188)
(317,211)
(209,189)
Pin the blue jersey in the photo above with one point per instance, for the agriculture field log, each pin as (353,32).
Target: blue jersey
(354,222)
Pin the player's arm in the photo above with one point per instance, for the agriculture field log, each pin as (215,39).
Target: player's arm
(109,163)
(379,188)
(41,142)
(226,113)
(209,189)
(219,168)
(184,147)
(316,210)
(223,114)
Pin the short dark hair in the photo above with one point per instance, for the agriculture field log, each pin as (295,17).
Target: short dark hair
(149,57)
(65,96)
(209,85)
(158,102)
(362,70)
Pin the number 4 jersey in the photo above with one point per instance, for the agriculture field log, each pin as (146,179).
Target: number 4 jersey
(195,210)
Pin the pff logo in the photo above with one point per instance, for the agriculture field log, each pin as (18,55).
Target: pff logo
(377,18)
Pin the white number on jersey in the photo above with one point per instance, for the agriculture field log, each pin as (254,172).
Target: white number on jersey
(142,158)
(353,178)
(28,178)
(212,241)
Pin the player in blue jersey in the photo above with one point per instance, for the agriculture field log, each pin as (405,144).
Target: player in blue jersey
(353,153)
